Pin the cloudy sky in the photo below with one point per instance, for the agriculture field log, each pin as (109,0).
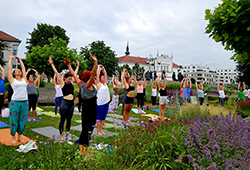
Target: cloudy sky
(169,26)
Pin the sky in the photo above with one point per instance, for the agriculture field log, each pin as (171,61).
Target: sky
(166,26)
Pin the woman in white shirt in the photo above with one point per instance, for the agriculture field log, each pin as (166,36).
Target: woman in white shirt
(154,94)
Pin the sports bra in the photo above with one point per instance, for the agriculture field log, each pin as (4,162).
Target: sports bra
(163,92)
(130,88)
(68,89)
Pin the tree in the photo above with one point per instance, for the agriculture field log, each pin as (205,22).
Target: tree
(138,70)
(40,35)
(58,50)
(3,46)
(244,72)
(104,55)
(119,69)
(193,80)
(229,23)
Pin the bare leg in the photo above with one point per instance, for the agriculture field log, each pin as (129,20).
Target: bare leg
(163,111)
(99,132)
(29,116)
(20,139)
(83,151)
(102,124)
(34,115)
(160,108)
(14,140)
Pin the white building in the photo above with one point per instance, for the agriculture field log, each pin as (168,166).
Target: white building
(201,73)
(227,75)
(13,44)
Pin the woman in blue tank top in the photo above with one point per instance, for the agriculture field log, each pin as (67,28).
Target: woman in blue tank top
(187,90)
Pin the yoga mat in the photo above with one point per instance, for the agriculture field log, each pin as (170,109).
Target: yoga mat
(39,109)
(120,116)
(78,121)
(114,120)
(31,119)
(6,138)
(108,133)
(157,110)
(153,116)
(136,111)
(108,126)
(2,124)
(50,113)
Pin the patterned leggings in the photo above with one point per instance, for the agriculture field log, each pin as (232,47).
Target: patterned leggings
(18,116)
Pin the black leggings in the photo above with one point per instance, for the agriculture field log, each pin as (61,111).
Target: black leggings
(66,110)
(32,101)
(153,98)
(79,103)
(89,116)
(140,99)
(201,99)
(1,102)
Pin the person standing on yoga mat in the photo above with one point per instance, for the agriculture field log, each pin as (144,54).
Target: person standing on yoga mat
(103,98)
(89,104)
(129,100)
(67,106)
(124,72)
(154,94)
(19,105)
(32,95)
(2,89)
(187,90)
(37,91)
(163,96)
(115,97)
(58,96)
(140,94)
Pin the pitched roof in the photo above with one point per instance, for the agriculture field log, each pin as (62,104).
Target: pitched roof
(132,59)
(6,36)
(175,65)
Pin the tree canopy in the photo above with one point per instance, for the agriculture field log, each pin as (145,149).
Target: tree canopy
(119,69)
(58,50)
(244,72)
(104,55)
(40,35)
(138,70)
(3,46)
(229,23)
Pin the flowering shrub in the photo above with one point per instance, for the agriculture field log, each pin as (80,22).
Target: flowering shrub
(218,142)
(243,104)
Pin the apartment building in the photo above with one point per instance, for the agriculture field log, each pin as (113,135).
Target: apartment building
(227,75)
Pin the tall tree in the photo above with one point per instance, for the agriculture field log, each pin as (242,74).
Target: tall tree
(229,23)
(104,55)
(40,35)
(138,70)
(3,46)
(244,72)
(119,69)
(58,50)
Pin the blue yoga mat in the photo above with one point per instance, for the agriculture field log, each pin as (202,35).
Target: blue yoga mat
(2,124)
(118,112)
(157,110)
(31,119)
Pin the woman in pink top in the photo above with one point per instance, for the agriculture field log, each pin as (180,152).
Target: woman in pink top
(182,88)
(140,95)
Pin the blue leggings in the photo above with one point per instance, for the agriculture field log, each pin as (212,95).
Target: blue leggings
(66,110)
(58,101)
(18,116)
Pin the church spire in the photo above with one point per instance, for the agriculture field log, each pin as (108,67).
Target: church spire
(127,50)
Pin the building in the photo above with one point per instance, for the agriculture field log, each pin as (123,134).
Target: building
(13,47)
(158,65)
(201,73)
(227,75)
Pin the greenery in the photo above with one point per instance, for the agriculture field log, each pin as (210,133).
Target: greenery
(138,70)
(244,72)
(40,36)
(229,23)
(57,49)
(104,55)
(3,46)
(120,68)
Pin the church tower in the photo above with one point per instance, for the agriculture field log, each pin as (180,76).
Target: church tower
(127,50)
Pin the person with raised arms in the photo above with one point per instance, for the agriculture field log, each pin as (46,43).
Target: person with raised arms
(89,104)
(19,105)
(154,93)
(123,73)
(200,92)
(140,95)
(187,90)
(115,97)
(221,92)
(163,96)
(58,96)
(2,88)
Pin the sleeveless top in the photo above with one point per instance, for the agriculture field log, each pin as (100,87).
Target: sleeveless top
(37,89)
(103,96)
(116,91)
(59,92)
(221,94)
(130,88)
(181,92)
(140,89)
(86,93)
(68,89)
(20,90)
(200,93)
(186,93)
(154,92)
(2,87)
(31,89)
(163,92)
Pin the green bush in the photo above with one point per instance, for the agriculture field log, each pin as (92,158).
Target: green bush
(42,83)
(7,86)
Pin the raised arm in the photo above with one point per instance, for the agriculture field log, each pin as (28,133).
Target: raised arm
(181,85)
(59,77)
(196,86)
(113,83)
(244,85)
(190,83)
(135,80)
(122,75)
(158,82)
(239,86)
(144,81)
(218,86)
(22,68)
(202,87)
(124,80)
(165,81)
(152,85)
(10,77)
(3,72)
(54,79)
(93,72)
(72,72)
(77,67)
(37,77)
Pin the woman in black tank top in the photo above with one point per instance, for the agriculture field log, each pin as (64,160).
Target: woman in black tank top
(67,106)
(163,96)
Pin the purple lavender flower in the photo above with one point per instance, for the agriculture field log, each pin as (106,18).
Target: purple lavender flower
(124,123)
(114,123)
(98,120)
(138,124)
(143,125)
(128,134)
(61,141)
(92,136)
(91,141)
(142,122)
(182,130)
(127,124)
(137,118)
(40,142)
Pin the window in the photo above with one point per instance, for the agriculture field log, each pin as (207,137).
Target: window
(184,71)
(191,74)
(225,74)
(161,68)
(225,70)
(221,70)
(193,70)
(229,70)
(199,74)
(221,73)
(188,67)
(15,50)
(234,73)
(164,67)
(193,66)
(217,73)
(234,70)
(167,68)
(2,55)
(226,81)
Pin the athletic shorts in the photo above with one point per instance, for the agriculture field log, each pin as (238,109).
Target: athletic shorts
(163,100)
(129,100)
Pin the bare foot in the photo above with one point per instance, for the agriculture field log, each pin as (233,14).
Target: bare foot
(29,120)
(105,124)
(14,141)
(99,134)
(56,116)
(103,133)
(87,155)
(20,140)
(34,119)
(80,113)
(128,123)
